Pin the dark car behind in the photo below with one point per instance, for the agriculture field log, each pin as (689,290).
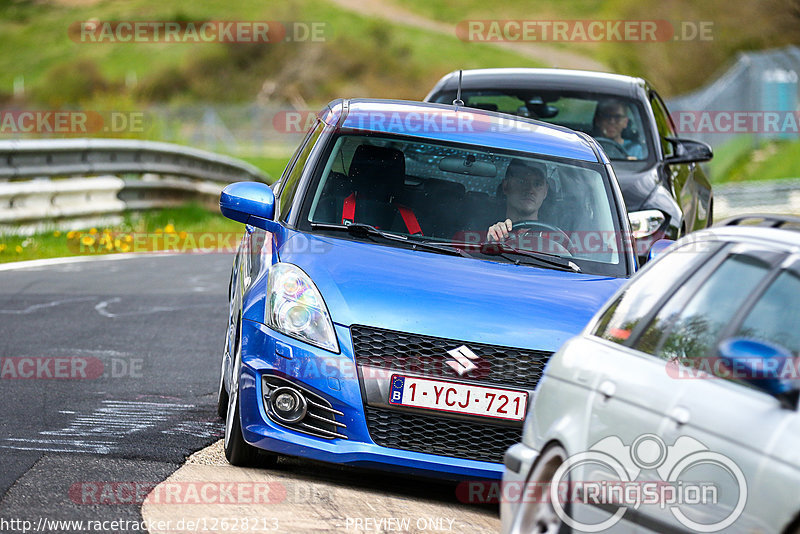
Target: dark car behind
(667,194)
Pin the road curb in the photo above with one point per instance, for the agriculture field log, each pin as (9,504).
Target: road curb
(297,497)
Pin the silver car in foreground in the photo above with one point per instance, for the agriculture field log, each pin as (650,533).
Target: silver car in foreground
(676,410)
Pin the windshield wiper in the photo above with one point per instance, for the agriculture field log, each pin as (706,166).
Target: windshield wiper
(446,248)
(367,230)
(542,258)
(455,249)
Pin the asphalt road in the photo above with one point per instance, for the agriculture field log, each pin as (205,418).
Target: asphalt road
(108,373)
(108,378)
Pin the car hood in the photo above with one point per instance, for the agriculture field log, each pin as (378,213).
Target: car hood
(447,296)
(636,185)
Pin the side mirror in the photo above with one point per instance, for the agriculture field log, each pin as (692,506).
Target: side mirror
(688,151)
(658,248)
(250,203)
(761,365)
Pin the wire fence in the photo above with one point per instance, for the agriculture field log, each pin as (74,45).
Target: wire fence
(757,96)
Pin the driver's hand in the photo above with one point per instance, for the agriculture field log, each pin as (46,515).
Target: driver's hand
(499,231)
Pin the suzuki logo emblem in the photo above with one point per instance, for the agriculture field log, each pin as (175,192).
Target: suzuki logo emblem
(462,363)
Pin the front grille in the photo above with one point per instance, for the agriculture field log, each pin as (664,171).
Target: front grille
(502,366)
(437,435)
(320,419)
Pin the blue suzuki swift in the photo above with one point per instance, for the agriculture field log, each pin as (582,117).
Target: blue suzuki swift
(399,290)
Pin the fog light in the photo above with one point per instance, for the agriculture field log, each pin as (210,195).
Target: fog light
(288,404)
(285,402)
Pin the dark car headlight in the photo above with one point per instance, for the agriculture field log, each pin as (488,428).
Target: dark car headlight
(645,223)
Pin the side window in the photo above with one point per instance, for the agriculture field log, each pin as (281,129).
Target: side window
(648,288)
(663,123)
(692,331)
(652,335)
(776,316)
(292,179)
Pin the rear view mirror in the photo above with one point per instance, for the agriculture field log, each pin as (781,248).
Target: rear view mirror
(761,365)
(467,165)
(542,111)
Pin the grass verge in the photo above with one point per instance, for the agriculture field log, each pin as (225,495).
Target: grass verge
(189,228)
(739,161)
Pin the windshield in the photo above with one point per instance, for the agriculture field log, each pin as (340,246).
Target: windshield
(615,122)
(430,191)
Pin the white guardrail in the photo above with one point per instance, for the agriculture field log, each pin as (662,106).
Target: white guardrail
(47,183)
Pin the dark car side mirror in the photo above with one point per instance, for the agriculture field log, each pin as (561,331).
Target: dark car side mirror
(689,151)
(250,203)
(761,365)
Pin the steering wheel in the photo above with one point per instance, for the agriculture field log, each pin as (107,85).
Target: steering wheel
(564,243)
(612,148)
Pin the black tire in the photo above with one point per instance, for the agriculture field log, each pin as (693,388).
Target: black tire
(237,451)
(222,394)
(539,516)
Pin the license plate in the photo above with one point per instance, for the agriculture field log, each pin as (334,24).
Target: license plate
(456,397)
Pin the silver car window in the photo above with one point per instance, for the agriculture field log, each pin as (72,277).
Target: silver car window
(692,332)
(776,315)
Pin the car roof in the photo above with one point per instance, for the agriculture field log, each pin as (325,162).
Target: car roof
(444,122)
(526,78)
(770,230)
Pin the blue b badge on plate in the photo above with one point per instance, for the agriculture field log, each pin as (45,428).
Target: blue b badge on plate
(396,395)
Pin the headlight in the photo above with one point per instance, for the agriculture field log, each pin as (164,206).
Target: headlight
(295,307)
(644,223)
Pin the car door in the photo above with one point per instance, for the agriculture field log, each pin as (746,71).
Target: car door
(677,176)
(716,428)
(687,181)
(634,396)
(745,424)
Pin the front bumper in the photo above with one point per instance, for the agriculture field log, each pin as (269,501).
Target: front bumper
(518,461)
(334,377)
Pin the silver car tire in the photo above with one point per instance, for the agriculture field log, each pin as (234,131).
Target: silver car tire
(538,515)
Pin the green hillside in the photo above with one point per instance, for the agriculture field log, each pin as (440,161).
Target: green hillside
(673,66)
(359,57)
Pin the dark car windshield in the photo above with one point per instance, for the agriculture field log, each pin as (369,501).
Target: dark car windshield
(616,122)
(433,192)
